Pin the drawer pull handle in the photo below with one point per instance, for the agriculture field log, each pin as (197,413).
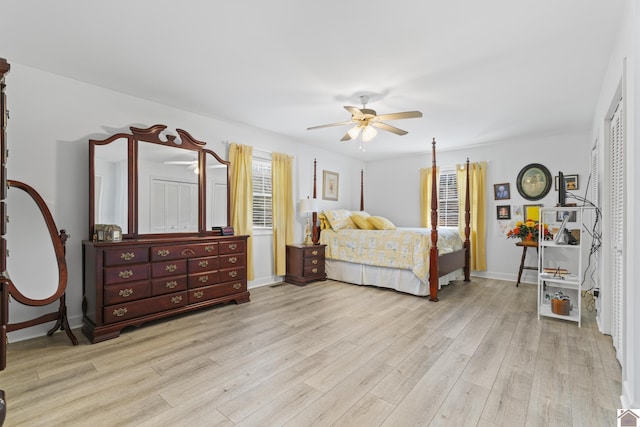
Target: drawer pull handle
(209,248)
(120,312)
(233,246)
(127,256)
(315,270)
(125,274)
(176,299)
(188,251)
(314,262)
(198,294)
(125,292)
(171,284)
(233,273)
(203,263)
(163,252)
(233,260)
(171,268)
(237,286)
(314,253)
(203,279)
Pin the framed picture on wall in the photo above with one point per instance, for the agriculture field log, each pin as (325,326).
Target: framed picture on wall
(501,191)
(570,182)
(503,211)
(531,212)
(330,185)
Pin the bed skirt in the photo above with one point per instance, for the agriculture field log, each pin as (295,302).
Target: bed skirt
(384,277)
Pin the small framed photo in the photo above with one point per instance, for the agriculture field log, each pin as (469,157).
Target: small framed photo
(531,212)
(570,182)
(330,185)
(501,191)
(503,211)
(572,216)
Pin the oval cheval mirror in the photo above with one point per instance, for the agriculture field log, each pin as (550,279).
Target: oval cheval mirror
(35,248)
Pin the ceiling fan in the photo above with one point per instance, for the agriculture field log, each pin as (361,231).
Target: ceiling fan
(191,164)
(367,120)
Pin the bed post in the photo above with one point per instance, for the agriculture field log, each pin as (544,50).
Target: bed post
(361,189)
(315,230)
(467,231)
(433,254)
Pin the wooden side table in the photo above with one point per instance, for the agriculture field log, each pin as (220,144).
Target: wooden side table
(524,246)
(305,264)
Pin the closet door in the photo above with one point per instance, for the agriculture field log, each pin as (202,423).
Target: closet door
(617,227)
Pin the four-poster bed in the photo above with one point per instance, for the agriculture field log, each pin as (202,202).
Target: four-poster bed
(411,260)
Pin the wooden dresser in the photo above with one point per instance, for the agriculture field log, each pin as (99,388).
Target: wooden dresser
(305,264)
(131,282)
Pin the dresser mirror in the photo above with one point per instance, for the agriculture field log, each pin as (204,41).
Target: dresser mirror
(152,183)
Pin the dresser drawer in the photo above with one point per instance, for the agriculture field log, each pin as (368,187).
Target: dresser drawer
(231,247)
(205,249)
(236,273)
(199,265)
(216,291)
(126,256)
(129,310)
(203,279)
(114,294)
(313,271)
(169,268)
(168,284)
(168,252)
(129,273)
(235,260)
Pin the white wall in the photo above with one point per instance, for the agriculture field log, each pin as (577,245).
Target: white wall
(623,74)
(392,188)
(52,119)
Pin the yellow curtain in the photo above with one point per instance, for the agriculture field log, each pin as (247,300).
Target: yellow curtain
(477,198)
(242,197)
(425,195)
(282,209)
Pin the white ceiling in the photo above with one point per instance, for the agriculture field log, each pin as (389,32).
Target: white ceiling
(480,71)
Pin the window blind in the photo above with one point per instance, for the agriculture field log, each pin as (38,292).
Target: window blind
(262,193)
(448,198)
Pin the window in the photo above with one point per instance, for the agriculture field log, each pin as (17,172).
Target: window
(448,198)
(262,210)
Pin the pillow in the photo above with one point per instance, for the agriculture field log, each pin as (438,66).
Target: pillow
(324,223)
(362,222)
(361,213)
(339,219)
(381,223)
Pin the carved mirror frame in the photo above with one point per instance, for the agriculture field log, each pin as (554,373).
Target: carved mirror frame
(156,136)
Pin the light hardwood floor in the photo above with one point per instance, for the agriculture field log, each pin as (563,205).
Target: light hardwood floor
(328,353)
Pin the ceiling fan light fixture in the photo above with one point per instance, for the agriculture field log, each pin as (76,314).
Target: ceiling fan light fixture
(354,131)
(368,133)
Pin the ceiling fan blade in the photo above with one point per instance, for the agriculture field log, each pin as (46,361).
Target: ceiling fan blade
(346,137)
(180,162)
(330,125)
(389,128)
(355,111)
(397,116)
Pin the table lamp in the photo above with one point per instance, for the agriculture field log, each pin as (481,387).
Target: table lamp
(307,206)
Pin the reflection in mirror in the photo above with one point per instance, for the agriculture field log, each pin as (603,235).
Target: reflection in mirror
(217,174)
(111,184)
(30,246)
(167,189)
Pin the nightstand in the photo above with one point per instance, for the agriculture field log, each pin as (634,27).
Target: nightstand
(305,264)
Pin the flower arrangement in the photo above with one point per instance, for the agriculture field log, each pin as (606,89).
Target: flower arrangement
(529,230)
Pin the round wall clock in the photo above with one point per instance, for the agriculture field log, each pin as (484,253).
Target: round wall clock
(534,181)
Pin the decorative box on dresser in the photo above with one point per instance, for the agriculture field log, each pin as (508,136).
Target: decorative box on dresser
(131,282)
(305,264)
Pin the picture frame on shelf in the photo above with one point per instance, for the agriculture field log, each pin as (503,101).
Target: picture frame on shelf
(570,183)
(330,181)
(503,212)
(501,191)
(572,216)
